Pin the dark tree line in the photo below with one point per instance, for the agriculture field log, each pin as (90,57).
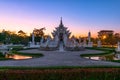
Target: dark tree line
(8,37)
(21,37)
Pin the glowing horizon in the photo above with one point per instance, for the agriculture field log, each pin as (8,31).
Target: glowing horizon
(47,31)
(80,16)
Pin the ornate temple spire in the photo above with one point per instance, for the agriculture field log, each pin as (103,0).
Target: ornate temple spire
(61,22)
(89,36)
(89,33)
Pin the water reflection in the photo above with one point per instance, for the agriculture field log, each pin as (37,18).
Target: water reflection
(17,57)
(105,57)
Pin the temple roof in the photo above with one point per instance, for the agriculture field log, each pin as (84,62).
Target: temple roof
(61,29)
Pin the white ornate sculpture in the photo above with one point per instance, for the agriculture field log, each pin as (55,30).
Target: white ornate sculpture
(65,39)
(41,41)
(33,39)
(99,43)
(84,43)
(61,39)
(90,44)
(118,47)
(89,37)
(61,34)
(56,38)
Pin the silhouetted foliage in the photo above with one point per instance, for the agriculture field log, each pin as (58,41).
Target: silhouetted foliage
(8,37)
(38,33)
(20,37)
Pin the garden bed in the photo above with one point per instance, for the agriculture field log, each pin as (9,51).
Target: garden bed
(62,74)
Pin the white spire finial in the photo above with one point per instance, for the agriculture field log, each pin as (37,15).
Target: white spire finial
(61,21)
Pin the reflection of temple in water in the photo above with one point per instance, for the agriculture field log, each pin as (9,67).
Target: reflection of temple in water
(17,57)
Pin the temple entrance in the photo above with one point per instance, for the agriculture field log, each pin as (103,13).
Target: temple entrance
(61,37)
(61,48)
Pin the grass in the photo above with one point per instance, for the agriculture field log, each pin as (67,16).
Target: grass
(28,54)
(96,54)
(2,57)
(116,61)
(35,55)
(102,48)
(106,51)
(16,49)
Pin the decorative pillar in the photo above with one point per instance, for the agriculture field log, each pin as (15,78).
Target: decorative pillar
(98,43)
(90,44)
(41,40)
(33,39)
(84,43)
(89,37)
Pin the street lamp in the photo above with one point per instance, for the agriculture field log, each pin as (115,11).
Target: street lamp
(104,37)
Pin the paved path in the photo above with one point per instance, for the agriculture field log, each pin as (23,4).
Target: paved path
(56,58)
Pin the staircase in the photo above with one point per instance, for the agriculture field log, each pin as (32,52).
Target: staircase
(61,48)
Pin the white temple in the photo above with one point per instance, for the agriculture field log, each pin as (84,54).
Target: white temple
(61,40)
(61,34)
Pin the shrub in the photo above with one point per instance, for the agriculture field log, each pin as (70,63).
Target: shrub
(62,74)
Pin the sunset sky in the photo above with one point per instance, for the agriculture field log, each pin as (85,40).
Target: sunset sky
(80,16)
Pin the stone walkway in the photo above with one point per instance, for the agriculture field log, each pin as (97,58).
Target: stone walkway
(56,58)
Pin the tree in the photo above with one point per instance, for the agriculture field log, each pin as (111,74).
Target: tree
(23,38)
(21,33)
(117,37)
(110,40)
(5,37)
(38,33)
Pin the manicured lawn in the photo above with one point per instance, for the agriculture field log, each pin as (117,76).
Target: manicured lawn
(28,54)
(106,51)
(35,55)
(2,57)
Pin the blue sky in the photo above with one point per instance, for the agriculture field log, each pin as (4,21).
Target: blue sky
(79,16)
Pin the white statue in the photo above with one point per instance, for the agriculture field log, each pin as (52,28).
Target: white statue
(56,38)
(84,43)
(90,44)
(118,47)
(33,39)
(99,43)
(48,40)
(41,41)
(89,37)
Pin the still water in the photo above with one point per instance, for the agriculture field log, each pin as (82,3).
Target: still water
(105,57)
(17,57)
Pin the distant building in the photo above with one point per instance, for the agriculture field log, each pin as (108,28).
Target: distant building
(105,33)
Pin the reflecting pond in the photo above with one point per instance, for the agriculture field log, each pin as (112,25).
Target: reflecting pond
(105,57)
(17,57)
